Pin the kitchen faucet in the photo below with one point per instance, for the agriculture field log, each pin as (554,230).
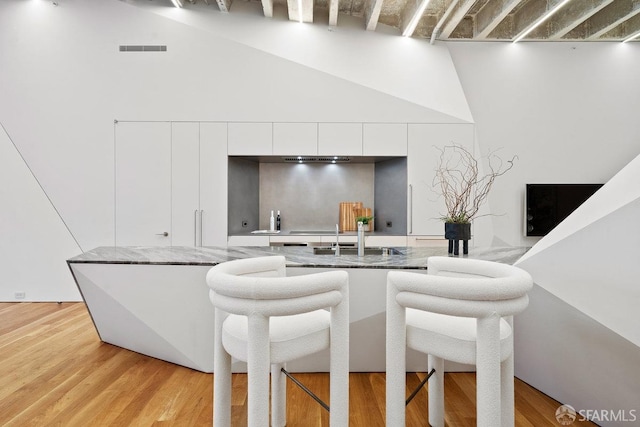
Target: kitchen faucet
(337,240)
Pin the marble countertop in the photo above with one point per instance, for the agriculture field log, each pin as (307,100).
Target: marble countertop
(297,256)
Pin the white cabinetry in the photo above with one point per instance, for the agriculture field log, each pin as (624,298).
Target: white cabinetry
(143,183)
(295,139)
(171,184)
(248,241)
(424,206)
(185,177)
(213,183)
(384,139)
(250,139)
(340,139)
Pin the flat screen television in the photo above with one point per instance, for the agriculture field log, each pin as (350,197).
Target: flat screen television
(548,204)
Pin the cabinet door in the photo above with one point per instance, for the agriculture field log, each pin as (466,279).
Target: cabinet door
(340,139)
(185,141)
(143,183)
(248,241)
(213,184)
(295,139)
(384,139)
(250,139)
(425,207)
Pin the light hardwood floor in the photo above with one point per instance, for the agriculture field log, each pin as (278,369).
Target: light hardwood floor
(54,371)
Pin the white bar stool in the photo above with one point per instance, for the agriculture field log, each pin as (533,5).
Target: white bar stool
(266,319)
(461,310)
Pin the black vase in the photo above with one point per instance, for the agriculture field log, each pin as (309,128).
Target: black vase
(454,232)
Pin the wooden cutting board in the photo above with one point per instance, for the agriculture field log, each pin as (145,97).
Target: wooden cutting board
(347,219)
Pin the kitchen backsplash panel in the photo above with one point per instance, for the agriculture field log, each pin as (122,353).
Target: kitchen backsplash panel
(309,195)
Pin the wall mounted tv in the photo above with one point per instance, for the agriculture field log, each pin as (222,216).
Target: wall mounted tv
(548,204)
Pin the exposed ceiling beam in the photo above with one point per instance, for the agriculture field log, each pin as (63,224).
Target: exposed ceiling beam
(224,5)
(267,7)
(454,14)
(412,15)
(492,14)
(633,36)
(372,13)
(611,17)
(629,29)
(333,12)
(300,10)
(573,14)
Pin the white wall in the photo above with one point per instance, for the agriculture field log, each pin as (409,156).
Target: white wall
(63,82)
(568,110)
(567,113)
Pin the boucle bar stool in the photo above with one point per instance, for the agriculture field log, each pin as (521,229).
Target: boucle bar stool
(461,310)
(266,319)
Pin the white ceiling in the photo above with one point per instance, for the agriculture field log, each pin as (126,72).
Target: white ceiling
(481,20)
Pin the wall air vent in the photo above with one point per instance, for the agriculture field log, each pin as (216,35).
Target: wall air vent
(313,159)
(141,48)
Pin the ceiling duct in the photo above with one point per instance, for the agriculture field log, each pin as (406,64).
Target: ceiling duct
(140,48)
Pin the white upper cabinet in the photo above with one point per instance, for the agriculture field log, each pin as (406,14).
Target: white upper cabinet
(340,139)
(295,139)
(424,206)
(384,139)
(250,139)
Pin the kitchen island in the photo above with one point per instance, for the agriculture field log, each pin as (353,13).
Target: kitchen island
(155,300)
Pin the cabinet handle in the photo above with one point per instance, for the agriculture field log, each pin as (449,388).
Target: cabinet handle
(165,234)
(201,213)
(410,209)
(195,227)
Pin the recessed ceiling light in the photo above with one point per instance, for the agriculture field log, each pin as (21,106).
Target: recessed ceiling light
(632,37)
(541,20)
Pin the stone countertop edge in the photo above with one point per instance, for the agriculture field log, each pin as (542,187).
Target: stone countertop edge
(408,258)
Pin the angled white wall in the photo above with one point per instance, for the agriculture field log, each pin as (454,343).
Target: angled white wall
(567,110)
(591,259)
(580,340)
(34,239)
(406,68)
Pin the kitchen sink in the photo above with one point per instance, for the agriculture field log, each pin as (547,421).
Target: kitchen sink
(354,251)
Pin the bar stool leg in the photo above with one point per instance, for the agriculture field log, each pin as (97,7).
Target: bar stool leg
(278,396)
(436,391)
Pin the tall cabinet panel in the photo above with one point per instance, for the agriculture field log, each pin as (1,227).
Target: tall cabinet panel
(143,183)
(213,184)
(424,206)
(171,184)
(185,183)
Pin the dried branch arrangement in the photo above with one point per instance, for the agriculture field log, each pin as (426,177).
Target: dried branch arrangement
(460,183)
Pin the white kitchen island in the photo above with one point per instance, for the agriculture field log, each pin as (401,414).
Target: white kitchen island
(155,300)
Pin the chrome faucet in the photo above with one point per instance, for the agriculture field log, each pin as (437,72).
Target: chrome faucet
(337,240)
(360,238)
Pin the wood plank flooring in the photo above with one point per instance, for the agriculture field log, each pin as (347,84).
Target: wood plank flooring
(54,371)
